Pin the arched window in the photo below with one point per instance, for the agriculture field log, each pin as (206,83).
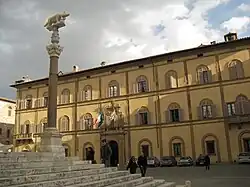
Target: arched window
(28,102)
(204,75)
(206,109)
(236,70)
(9,111)
(242,105)
(142,116)
(86,122)
(86,93)
(171,79)
(88,119)
(142,84)
(25,128)
(65,96)
(45,99)
(42,125)
(64,123)
(113,89)
(174,113)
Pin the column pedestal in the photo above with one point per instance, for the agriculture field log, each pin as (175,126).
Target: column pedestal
(51,141)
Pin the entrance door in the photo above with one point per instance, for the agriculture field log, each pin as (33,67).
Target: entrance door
(114,160)
(246,142)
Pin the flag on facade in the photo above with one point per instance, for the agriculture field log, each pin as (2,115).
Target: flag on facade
(100,119)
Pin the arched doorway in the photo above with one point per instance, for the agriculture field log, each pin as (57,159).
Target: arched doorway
(114,160)
(66,149)
(89,153)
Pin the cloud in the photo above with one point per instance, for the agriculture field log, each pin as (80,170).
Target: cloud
(244,7)
(238,24)
(97,31)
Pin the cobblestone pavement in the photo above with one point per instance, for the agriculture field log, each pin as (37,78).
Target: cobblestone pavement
(219,176)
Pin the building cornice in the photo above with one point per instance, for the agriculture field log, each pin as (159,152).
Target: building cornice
(142,61)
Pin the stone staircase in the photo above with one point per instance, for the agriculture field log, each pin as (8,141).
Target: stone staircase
(48,170)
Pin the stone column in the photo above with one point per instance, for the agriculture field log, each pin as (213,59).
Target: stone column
(51,139)
(122,161)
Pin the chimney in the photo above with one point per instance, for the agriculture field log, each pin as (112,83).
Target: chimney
(213,42)
(75,68)
(231,36)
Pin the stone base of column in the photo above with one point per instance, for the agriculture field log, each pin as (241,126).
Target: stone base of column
(51,141)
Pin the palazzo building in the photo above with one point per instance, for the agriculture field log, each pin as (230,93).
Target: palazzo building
(183,103)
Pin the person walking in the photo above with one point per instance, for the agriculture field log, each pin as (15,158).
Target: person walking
(143,163)
(207,162)
(106,153)
(132,165)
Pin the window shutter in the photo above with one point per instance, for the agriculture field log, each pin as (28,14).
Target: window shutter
(148,86)
(225,110)
(137,120)
(71,98)
(214,111)
(200,78)
(240,70)
(245,107)
(210,76)
(237,108)
(199,113)
(181,115)
(149,117)
(35,103)
(168,84)
(167,116)
(134,88)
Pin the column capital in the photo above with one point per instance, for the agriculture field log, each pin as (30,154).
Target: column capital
(54,50)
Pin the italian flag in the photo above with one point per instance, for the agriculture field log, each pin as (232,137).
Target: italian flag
(99,120)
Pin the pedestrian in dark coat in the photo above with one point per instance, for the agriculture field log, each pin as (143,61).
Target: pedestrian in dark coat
(132,165)
(106,153)
(207,162)
(142,163)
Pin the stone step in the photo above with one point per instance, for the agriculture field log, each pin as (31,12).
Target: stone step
(85,179)
(134,182)
(168,184)
(53,176)
(33,157)
(42,170)
(109,181)
(17,165)
(153,183)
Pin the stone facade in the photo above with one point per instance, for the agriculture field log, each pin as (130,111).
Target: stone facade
(187,102)
(7,120)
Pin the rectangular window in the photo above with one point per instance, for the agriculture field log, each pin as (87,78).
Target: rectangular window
(8,133)
(142,86)
(206,111)
(246,143)
(113,91)
(231,109)
(205,76)
(45,101)
(210,146)
(28,104)
(143,117)
(9,112)
(174,114)
(177,149)
(145,150)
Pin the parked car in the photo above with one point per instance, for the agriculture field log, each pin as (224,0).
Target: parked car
(185,161)
(244,158)
(153,161)
(200,161)
(168,161)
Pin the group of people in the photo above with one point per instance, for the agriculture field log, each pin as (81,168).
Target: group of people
(141,163)
(106,153)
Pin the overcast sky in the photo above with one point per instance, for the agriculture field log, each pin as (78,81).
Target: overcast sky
(109,30)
